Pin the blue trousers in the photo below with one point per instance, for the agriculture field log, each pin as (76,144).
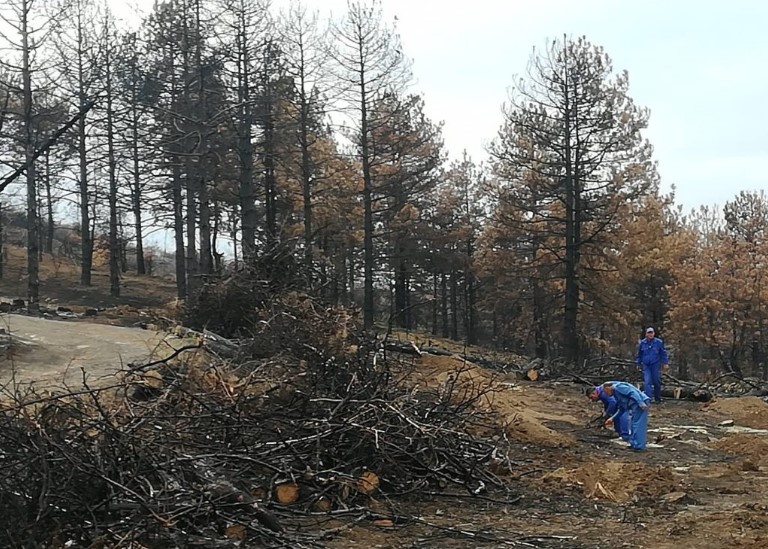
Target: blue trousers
(652,381)
(621,425)
(638,430)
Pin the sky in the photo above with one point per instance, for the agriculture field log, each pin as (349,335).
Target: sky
(699,66)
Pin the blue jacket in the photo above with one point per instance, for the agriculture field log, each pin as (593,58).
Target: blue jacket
(628,397)
(651,353)
(610,406)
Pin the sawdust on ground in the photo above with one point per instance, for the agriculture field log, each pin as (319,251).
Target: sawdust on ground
(617,481)
(518,419)
(749,411)
(750,446)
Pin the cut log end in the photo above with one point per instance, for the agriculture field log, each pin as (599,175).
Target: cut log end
(287,493)
(368,482)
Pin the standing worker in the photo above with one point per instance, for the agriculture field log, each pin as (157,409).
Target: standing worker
(651,358)
(610,407)
(631,400)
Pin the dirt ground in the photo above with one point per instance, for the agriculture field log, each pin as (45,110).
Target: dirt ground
(703,482)
(59,351)
(60,284)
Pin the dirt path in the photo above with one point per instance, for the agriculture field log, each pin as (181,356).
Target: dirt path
(53,351)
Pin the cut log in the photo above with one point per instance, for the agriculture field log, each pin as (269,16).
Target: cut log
(436,351)
(406,348)
(532,375)
(698,394)
(322,504)
(235,531)
(368,482)
(287,493)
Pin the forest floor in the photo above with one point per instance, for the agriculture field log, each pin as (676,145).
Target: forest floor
(702,483)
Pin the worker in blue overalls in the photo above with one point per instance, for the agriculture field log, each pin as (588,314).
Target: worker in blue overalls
(610,407)
(630,399)
(652,358)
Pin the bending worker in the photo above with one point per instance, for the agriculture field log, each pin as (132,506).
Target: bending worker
(630,399)
(610,408)
(651,358)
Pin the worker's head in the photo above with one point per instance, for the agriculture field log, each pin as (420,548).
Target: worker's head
(593,393)
(649,333)
(608,388)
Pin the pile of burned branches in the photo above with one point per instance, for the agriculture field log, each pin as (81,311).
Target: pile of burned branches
(311,421)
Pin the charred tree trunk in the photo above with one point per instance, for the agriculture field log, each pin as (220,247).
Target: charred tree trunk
(86,238)
(33,280)
(114,244)
(136,193)
(401,286)
(435,302)
(454,306)
(2,241)
(444,304)
(49,226)
(539,327)
(178,230)
(306,183)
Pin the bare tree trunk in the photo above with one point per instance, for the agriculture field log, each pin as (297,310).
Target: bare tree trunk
(539,337)
(572,240)
(401,285)
(470,314)
(2,241)
(269,150)
(49,228)
(33,280)
(136,193)
(178,229)
(86,237)
(434,303)
(234,217)
(249,219)
(444,304)
(454,306)
(206,258)
(114,245)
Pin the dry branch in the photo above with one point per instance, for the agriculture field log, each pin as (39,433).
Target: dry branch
(220,454)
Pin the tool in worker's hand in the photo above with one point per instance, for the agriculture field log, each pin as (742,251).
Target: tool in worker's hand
(597,422)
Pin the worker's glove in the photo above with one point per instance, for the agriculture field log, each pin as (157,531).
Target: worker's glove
(644,407)
(609,422)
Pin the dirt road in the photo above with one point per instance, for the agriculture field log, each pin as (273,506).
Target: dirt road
(53,351)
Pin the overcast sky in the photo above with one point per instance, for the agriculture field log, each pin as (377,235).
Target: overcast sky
(699,66)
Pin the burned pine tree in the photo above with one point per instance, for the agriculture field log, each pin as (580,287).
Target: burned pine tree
(572,154)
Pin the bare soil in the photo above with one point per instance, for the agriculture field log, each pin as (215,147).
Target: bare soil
(60,285)
(700,484)
(61,351)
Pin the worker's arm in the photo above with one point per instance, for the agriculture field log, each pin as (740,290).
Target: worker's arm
(611,407)
(663,355)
